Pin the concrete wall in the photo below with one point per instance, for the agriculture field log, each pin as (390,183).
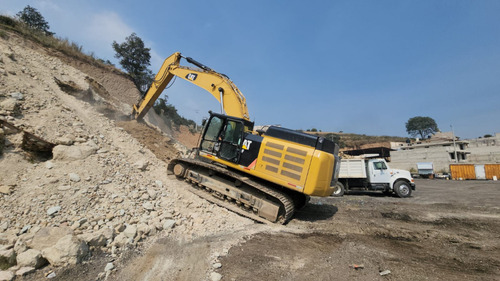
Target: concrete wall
(482,151)
(485,150)
(408,159)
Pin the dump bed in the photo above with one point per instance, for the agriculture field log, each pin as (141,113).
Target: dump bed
(352,168)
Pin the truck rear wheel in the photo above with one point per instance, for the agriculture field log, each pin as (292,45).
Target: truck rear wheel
(339,190)
(402,189)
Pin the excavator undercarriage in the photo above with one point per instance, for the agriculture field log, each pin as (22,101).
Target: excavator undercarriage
(237,192)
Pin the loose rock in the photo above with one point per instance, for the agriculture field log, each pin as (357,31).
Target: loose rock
(5,189)
(214,276)
(109,266)
(68,250)
(31,258)
(7,258)
(53,210)
(25,271)
(74,177)
(6,276)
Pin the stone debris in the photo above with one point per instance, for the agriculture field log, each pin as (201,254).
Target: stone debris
(7,258)
(53,210)
(31,258)
(168,224)
(25,271)
(100,190)
(68,250)
(5,189)
(49,165)
(141,165)
(17,96)
(6,276)
(130,231)
(74,177)
(385,272)
(109,266)
(72,153)
(214,276)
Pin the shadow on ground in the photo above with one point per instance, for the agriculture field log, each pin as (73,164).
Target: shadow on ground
(316,212)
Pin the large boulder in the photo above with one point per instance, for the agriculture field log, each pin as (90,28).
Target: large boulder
(7,239)
(31,258)
(10,106)
(96,239)
(7,258)
(72,153)
(68,250)
(47,237)
(6,275)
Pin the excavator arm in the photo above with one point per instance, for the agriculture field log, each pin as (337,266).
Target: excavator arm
(232,101)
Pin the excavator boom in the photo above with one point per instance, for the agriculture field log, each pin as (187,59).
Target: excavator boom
(232,101)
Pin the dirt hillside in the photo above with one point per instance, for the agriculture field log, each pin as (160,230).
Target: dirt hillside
(102,185)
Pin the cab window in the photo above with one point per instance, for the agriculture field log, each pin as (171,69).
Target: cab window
(232,133)
(231,141)
(379,166)
(212,133)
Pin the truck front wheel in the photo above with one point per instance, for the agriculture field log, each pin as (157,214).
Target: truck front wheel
(402,189)
(339,190)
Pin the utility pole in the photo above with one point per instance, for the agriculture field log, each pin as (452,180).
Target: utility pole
(454,145)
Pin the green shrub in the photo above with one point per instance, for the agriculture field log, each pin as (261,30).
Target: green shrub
(162,108)
(3,35)
(6,20)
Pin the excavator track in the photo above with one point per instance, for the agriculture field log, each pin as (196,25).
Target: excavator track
(234,191)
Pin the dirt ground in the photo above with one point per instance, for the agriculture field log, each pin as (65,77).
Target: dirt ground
(448,230)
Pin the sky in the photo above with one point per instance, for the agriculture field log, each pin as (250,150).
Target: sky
(357,66)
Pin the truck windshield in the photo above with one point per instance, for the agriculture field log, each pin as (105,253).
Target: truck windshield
(379,166)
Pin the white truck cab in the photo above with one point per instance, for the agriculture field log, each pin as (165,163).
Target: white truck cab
(373,174)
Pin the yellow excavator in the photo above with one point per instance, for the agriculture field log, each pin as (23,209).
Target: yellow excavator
(266,174)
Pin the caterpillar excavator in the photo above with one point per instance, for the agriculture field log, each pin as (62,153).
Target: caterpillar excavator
(266,174)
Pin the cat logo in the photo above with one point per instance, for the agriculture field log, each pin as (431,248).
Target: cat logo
(246,144)
(191,76)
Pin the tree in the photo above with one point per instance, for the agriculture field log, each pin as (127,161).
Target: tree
(423,126)
(162,108)
(33,19)
(135,59)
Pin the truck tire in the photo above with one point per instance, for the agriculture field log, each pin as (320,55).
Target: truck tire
(402,189)
(339,190)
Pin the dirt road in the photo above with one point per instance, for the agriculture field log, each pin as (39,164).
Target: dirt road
(448,230)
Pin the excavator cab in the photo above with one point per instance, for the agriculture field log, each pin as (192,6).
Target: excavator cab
(223,136)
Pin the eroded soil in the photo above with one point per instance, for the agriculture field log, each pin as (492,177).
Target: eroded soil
(448,230)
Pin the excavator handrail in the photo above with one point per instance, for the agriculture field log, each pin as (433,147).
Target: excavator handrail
(233,102)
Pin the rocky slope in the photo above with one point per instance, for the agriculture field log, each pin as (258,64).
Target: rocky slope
(101,191)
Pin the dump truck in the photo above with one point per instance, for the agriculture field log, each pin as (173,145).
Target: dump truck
(373,174)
